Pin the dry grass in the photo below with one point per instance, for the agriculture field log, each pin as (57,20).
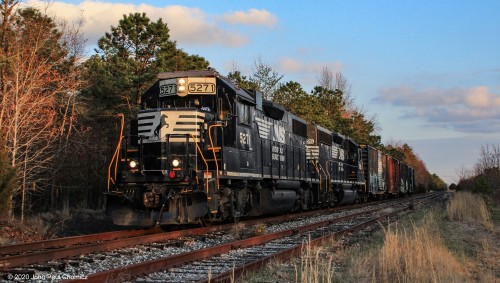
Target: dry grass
(466,207)
(314,266)
(237,230)
(478,249)
(418,255)
(4,241)
(48,223)
(425,246)
(259,229)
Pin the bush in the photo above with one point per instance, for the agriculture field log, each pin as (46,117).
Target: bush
(482,186)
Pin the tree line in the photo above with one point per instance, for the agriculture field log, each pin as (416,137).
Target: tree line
(58,107)
(484,177)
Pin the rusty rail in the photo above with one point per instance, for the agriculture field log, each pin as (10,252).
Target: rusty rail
(297,250)
(113,240)
(289,253)
(131,271)
(69,241)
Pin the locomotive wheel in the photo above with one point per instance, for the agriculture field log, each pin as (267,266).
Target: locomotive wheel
(206,222)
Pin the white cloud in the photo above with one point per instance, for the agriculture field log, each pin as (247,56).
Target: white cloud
(252,17)
(291,65)
(470,110)
(187,25)
(305,72)
(480,97)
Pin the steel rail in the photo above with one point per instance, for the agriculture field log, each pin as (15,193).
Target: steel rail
(69,241)
(297,250)
(55,253)
(291,252)
(134,270)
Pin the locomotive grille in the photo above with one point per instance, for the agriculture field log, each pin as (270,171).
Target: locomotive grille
(312,152)
(264,127)
(155,126)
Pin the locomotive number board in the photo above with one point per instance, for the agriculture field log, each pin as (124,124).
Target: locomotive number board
(168,89)
(185,86)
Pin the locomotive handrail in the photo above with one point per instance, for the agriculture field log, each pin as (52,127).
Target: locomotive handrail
(321,167)
(329,178)
(114,159)
(213,150)
(363,172)
(204,160)
(317,171)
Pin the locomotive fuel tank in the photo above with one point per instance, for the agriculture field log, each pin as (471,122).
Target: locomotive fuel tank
(273,202)
(347,195)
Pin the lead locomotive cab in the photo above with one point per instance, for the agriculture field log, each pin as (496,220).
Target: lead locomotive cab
(162,172)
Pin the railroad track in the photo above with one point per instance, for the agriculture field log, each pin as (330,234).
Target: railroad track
(150,240)
(228,260)
(43,251)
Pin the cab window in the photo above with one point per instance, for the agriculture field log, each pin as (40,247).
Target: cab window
(244,114)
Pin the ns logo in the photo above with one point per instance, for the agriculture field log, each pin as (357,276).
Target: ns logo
(161,124)
(279,134)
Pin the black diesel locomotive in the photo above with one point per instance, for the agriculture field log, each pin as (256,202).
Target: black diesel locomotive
(202,150)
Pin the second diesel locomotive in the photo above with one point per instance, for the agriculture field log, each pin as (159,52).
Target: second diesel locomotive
(202,150)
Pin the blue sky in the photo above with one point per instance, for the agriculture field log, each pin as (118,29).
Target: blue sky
(430,70)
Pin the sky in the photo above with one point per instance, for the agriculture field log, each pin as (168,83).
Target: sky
(429,70)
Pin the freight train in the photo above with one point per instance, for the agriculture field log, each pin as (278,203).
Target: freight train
(203,150)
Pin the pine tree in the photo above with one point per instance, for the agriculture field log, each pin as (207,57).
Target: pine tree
(128,59)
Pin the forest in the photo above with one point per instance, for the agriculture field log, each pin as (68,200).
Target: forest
(59,105)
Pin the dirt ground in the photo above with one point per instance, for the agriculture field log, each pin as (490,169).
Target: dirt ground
(12,232)
(477,247)
(55,225)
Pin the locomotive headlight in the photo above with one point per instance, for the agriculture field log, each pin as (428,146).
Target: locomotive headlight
(181,87)
(176,162)
(133,164)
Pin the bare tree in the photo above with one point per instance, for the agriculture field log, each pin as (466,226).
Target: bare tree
(488,165)
(265,78)
(337,81)
(39,79)
(489,158)
(464,173)
(362,124)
